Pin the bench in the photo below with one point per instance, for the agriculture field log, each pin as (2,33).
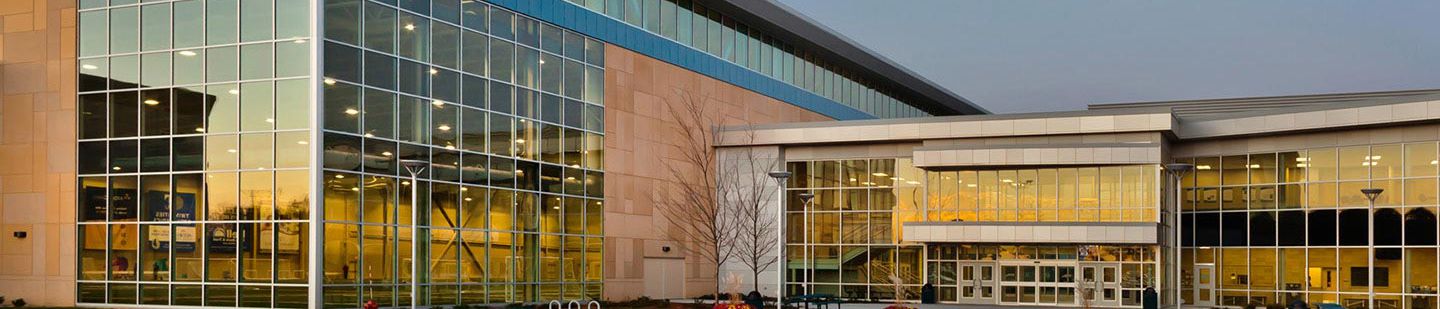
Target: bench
(817,300)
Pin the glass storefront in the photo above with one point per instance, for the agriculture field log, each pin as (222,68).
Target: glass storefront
(1044,275)
(846,241)
(1270,227)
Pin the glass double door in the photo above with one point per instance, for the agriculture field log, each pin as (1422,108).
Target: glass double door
(976,282)
(1037,283)
(1099,284)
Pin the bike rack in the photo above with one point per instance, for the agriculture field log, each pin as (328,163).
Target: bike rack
(573,304)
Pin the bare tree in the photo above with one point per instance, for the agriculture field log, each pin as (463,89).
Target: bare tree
(758,229)
(697,217)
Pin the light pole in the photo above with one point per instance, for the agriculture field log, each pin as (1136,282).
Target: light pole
(810,257)
(415,167)
(780,178)
(805,199)
(1371,194)
(1177,172)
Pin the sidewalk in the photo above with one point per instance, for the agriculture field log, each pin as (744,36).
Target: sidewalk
(936,306)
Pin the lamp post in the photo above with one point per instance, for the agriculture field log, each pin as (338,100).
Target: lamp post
(415,167)
(1177,172)
(780,178)
(805,199)
(1371,194)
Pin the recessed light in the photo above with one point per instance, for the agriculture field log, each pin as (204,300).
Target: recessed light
(351,111)
(187,53)
(152,102)
(88,66)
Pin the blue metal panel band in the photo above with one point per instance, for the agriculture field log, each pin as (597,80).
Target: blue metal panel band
(579,19)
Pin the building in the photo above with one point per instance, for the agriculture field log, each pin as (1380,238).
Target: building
(246,153)
(1065,208)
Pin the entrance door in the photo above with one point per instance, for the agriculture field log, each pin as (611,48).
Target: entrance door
(1017,283)
(977,283)
(1056,283)
(1204,285)
(1099,284)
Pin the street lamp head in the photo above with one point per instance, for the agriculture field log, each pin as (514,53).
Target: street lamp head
(779,175)
(1372,193)
(415,167)
(1179,168)
(805,197)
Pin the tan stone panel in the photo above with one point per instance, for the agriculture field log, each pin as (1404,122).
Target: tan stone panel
(641,94)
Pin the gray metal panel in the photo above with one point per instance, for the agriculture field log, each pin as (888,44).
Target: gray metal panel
(1220,108)
(782,22)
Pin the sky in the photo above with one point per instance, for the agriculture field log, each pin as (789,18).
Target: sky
(1031,56)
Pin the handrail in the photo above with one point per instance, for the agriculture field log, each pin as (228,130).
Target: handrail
(554,304)
(573,302)
(593,302)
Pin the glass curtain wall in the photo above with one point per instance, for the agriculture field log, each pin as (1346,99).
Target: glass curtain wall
(692,24)
(194,152)
(846,241)
(1285,225)
(509,112)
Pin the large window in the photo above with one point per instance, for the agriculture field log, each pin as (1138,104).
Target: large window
(1084,194)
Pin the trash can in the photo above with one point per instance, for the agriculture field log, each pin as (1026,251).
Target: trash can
(1150,299)
(927,294)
